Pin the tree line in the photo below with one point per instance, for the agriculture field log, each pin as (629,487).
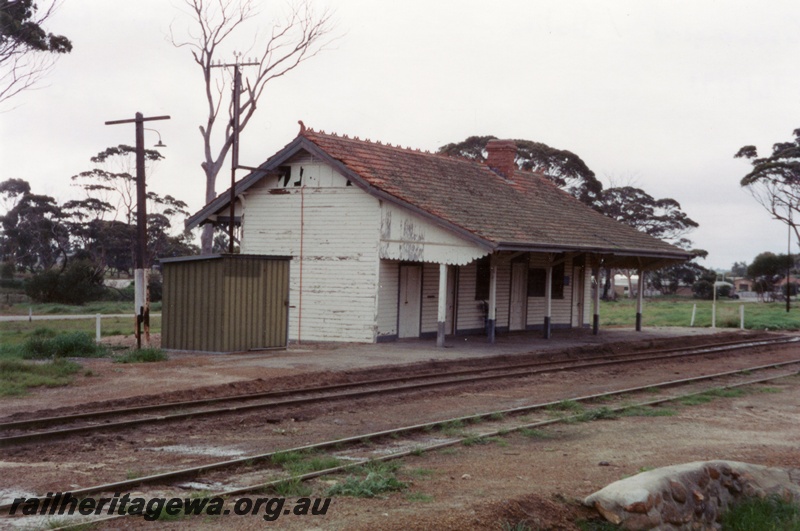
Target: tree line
(68,248)
(660,218)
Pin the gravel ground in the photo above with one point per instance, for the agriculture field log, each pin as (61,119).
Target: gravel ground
(476,487)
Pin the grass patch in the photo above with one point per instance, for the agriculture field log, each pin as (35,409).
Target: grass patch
(707,396)
(515,526)
(695,400)
(568,406)
(292,488)
(43,344)
(313,464)
(602,413)
(17,376)
(643,411)
(535,434)
(769,390)
(143,355)
(421,472)
(472,440)
(767,514)
(419,497)
(299,463)
(17,332)
(730,392)
(452,428)
(285,458)
(675,311)
(373,479)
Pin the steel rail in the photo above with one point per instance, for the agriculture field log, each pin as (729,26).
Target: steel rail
(260,487)
(627,358)
(192,471)
(697,350)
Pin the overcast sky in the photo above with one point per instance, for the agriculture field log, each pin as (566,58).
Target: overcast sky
(657,94)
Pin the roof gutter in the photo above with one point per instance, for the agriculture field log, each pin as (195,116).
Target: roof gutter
(677,255)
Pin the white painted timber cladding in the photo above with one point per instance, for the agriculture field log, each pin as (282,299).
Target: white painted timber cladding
(339,258)
(430,298)
(470,315)
(561,308)
(406,236)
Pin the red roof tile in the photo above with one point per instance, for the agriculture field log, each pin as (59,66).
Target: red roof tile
(526,211)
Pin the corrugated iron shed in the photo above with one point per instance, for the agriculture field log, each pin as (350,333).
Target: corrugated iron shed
(225,303)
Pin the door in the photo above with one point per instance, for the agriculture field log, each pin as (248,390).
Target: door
(518,312)
(410,301)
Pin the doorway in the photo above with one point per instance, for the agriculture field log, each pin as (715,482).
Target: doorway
(410,301)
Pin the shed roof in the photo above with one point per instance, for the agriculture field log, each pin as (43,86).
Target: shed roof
(527,212)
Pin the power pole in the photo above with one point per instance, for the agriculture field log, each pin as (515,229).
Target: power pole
(789,265)
(141,297)
(237,90)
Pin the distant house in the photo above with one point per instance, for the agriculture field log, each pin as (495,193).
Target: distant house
(390,243)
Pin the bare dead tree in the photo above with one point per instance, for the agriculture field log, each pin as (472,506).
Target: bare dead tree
(215,23)
(27,51)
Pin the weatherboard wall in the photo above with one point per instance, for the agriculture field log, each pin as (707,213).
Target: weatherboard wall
(331,229)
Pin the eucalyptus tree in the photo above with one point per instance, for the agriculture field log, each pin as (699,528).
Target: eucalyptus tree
(774,180)
(27,50)
(566,169)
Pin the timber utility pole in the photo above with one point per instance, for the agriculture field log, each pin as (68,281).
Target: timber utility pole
(142,295)
(237,90)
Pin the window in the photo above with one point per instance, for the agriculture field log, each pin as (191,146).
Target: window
(483,279)
(537,279)
(536,282)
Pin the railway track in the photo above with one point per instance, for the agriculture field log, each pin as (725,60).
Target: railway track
(21,431)
(256,473)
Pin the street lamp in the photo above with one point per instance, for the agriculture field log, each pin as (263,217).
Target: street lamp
(160,144)
(141,298)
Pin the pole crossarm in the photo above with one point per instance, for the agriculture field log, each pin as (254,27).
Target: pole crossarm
(237,87)
(134,120)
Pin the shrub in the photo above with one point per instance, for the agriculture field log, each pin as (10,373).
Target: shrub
(76,284)
(7,270)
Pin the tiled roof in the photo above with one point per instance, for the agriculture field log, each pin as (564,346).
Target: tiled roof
(526,211)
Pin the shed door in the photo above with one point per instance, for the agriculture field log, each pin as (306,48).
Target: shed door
(519,296)
(410,301)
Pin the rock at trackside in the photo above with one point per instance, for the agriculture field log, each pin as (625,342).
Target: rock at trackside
(691,495)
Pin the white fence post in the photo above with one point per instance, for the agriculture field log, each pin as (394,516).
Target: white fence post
(97,327)
(694,312)
(741,317)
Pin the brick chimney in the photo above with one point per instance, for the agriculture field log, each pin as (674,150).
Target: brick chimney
(500,157)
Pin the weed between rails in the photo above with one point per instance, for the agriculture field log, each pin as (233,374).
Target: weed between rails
(371,480)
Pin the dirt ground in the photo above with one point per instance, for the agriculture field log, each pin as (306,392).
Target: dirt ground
(539,480)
